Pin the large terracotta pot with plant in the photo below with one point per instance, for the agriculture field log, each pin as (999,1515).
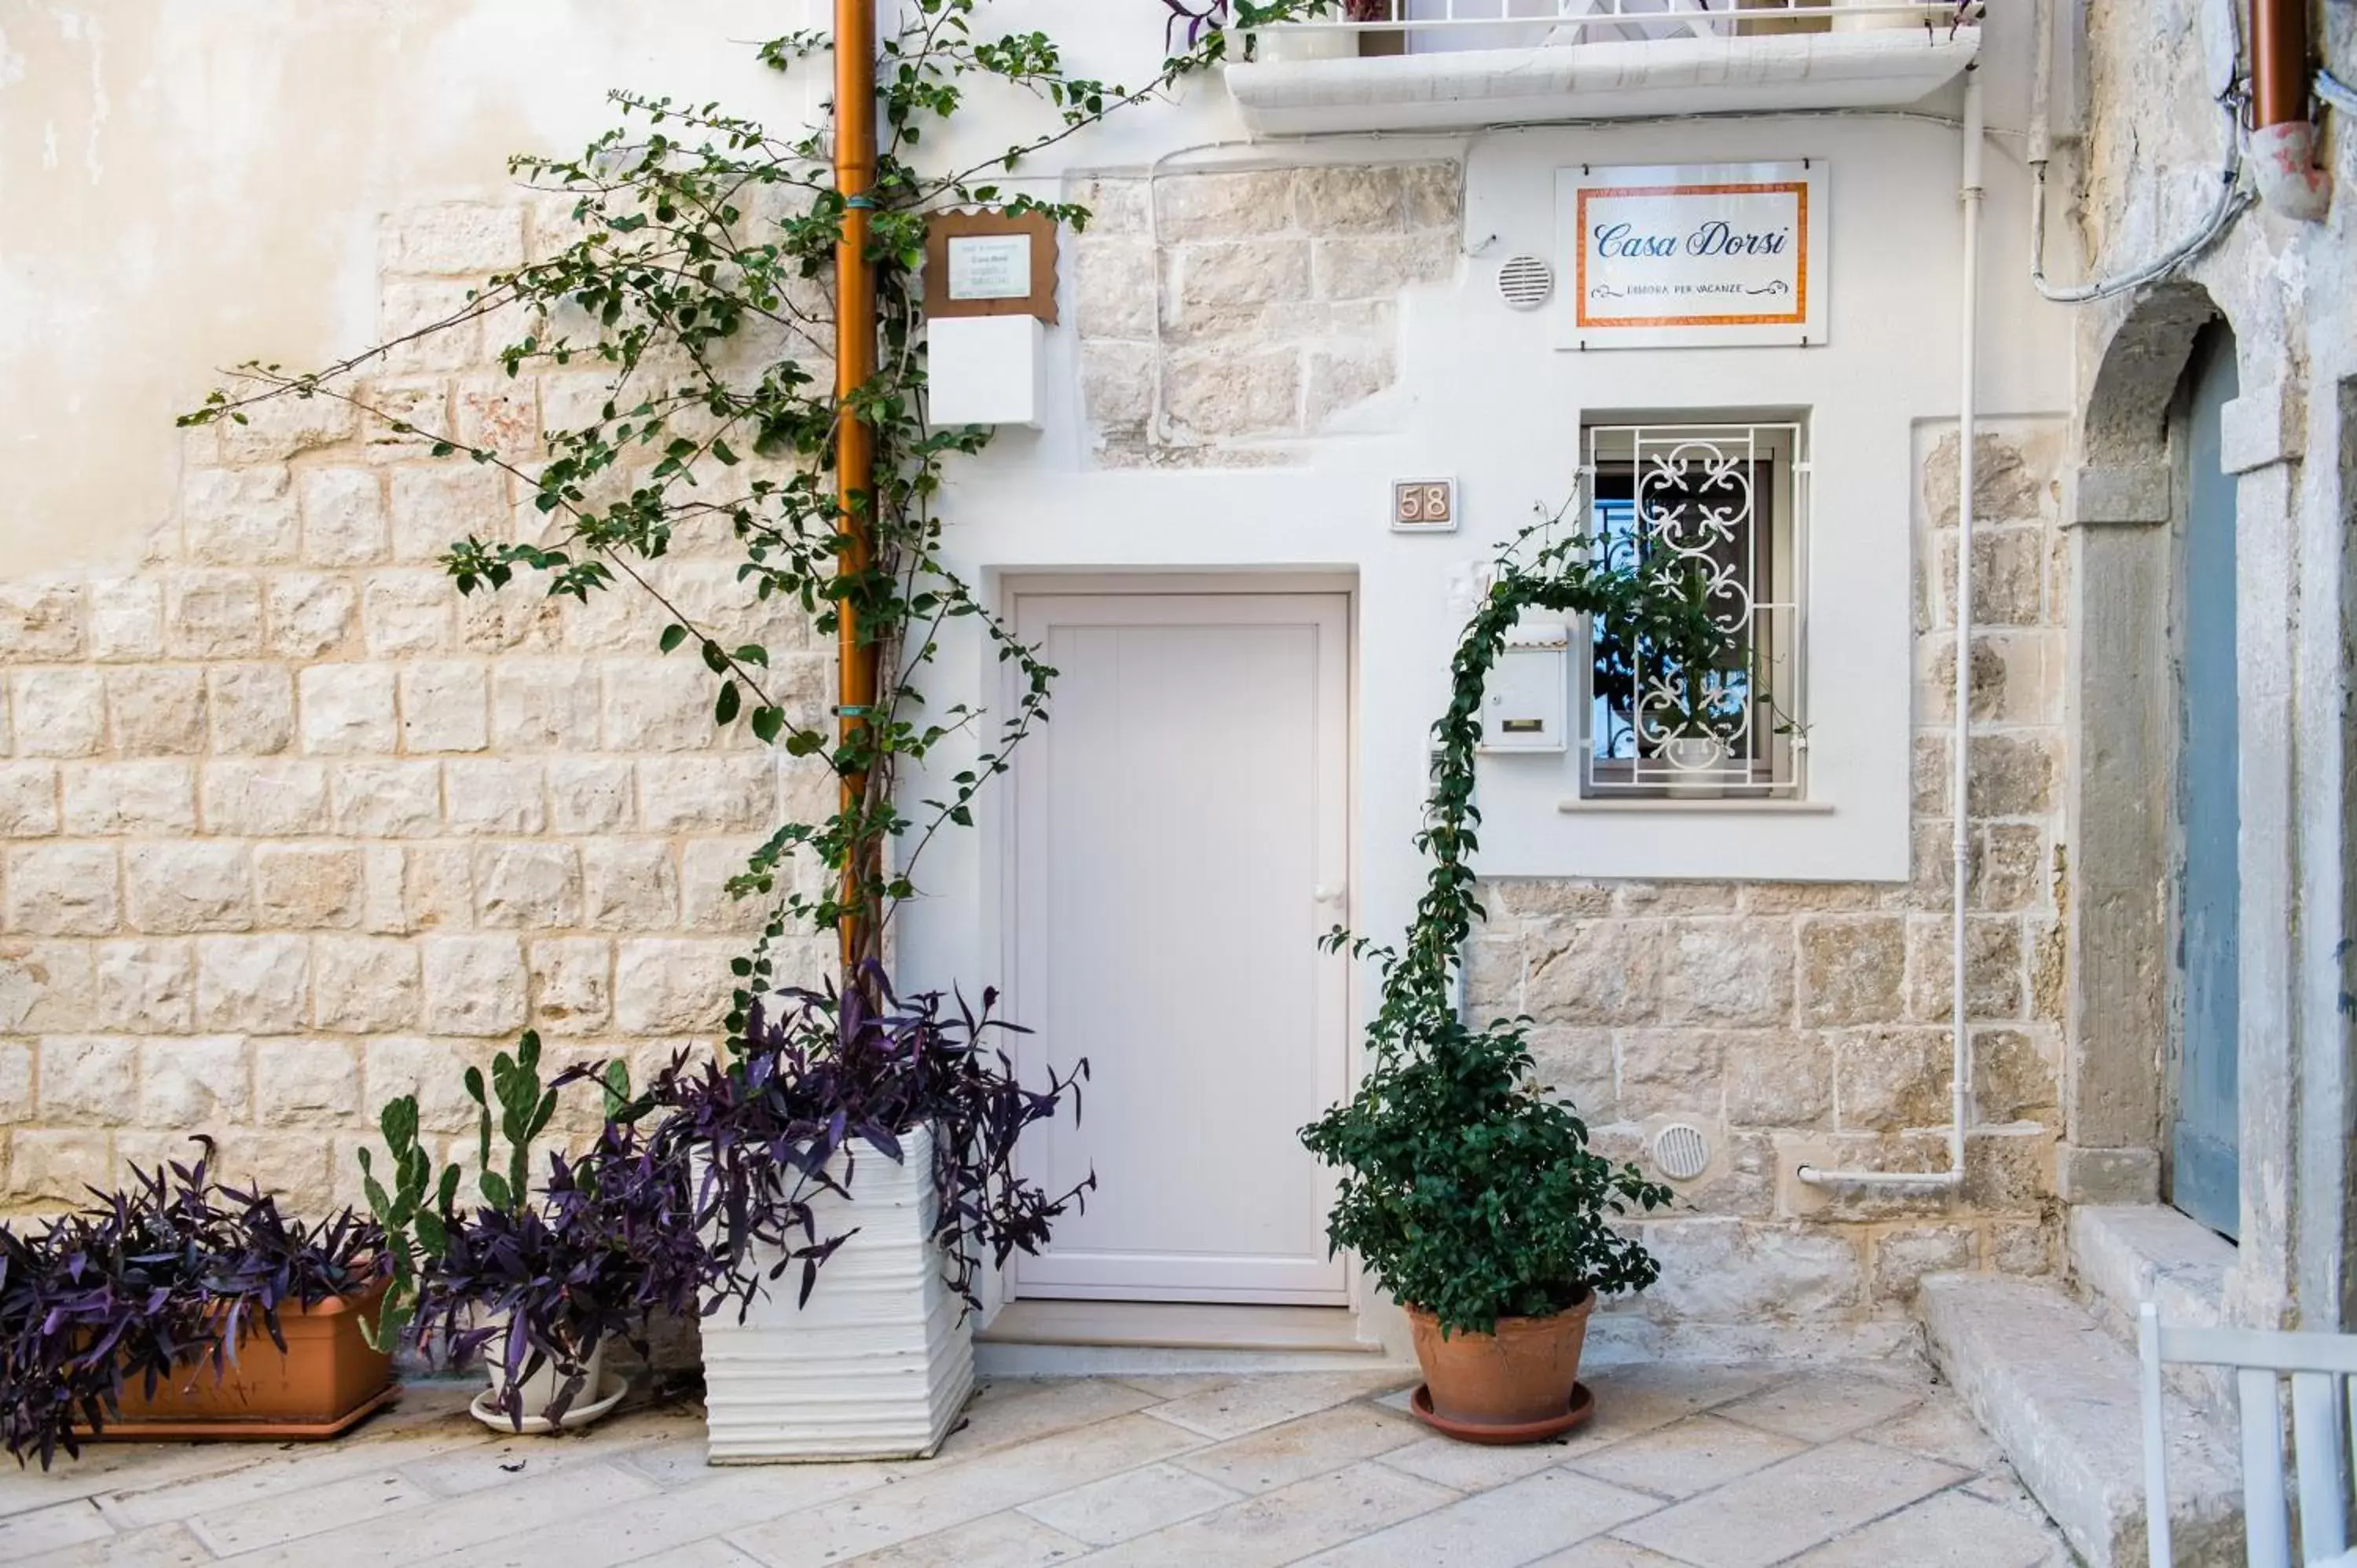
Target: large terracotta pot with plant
(1469,1193)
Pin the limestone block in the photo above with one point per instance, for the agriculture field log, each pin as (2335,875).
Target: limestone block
(44,986)
(1220,206)
(431,1070)
(536,885)
(444,706)
(41,620)
(1993,967)
(265,797)
(1778,1080)
(387,799)
(1851,967)
(611,622)
(193,885)
(193,1083)
(1670,1072)
(311,615)
(422,402)
(2008,579)
(498,620)
(255,985)
(1577,1065)
(1885,1079)
(657,705)
(28,799)
(1595,971)
(1902,1257)
(16,1082)
(1241,272)
(666,987)
(308,886)
(212,615)
(2013,1078)
(571,985)
(294,1166)
(1727,971)
(1117,384)
(2010,1168)
(705,864)
(1433,194)
(2010,485)
(436,505)
(126,618)
(1807,897)
(439,888)
(487,795)
(239,517)
(1344,379)
(89,1082)
(1929,773)
(347,710)
(146,987)
(343,517)
(109,798)
(2013,775)
(363,985)
(1116,205)
(497,415)
(157,712)
(1346,199)
(461,238)
(429,326)
(407,611)
(2022,1247)
(589,794)
(544,704)
(474,985)
(628,884)
(1735,1272)
(706,793)
(61,890)
(1215,393)
(58,713)
(1544,897)
(285,427)
(306,1083)
(56,1168)
(251,708)
(1115,288)
(1379,266)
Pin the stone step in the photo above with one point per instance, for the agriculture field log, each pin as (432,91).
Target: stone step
(2058,1395)
(2124,1256)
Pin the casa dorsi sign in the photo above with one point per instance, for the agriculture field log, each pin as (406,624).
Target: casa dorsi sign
(1695,254)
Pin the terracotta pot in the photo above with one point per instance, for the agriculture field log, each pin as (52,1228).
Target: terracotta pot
(1521,1376)
(325,1381)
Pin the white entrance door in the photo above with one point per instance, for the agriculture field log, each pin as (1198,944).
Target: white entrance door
(1181,836)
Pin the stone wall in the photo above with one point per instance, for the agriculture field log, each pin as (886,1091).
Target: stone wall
(1795,1021)
(289,827)
(1249,309)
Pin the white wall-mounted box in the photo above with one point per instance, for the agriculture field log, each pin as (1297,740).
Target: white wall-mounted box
(1526,706)
(987,370)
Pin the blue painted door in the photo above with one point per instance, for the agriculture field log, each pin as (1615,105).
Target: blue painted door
(2205,1178)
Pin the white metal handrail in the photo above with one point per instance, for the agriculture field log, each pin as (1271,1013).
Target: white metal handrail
(1569,21)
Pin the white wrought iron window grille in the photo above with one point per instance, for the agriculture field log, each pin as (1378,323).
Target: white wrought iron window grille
(1509,24)
(1716,715)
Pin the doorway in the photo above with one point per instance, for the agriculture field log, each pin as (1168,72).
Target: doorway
(1180,838)
(2205,1139)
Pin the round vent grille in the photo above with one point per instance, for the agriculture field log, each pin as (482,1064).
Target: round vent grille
(1681,1151)
(1526,283)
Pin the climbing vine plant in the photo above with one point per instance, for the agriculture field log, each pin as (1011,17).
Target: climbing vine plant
(698,280)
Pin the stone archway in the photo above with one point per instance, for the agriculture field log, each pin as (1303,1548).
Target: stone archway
(2121,701)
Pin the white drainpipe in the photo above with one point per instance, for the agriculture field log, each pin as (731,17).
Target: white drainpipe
(1960,756)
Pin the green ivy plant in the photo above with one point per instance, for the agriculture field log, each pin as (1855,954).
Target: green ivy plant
(1465,1190)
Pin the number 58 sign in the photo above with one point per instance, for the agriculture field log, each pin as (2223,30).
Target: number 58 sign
(1423,506)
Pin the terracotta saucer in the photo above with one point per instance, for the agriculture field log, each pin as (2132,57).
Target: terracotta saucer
(1583,1405)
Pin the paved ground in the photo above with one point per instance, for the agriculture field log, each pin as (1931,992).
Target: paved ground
(1705,1467)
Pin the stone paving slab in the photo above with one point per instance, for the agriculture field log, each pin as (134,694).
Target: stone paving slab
(1683,1467)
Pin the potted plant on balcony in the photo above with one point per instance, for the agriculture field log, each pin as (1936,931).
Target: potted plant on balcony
(184,1308)
(853,1164)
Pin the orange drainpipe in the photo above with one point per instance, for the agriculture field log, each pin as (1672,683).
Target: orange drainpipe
(2283,139)
(855,365)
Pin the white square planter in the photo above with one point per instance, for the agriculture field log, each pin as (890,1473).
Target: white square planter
(881,1362)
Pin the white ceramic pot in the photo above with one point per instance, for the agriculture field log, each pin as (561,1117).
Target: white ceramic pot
(1281,45)
(879,1363)
(1694,768)
(591,1401)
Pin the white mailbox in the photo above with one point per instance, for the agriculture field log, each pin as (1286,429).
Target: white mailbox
(1527,706)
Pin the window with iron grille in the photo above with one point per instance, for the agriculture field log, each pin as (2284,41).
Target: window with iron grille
(1715,715)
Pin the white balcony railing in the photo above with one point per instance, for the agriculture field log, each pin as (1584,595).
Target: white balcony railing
(1429,24)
